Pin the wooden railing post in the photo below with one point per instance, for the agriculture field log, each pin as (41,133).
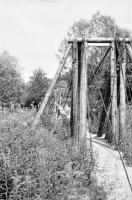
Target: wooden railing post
(74,110)
(83,93)
(122,92)
(113,94)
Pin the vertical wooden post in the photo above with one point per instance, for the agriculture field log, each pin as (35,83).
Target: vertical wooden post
(122,92)
(83,93)
(113,94)
(74,110)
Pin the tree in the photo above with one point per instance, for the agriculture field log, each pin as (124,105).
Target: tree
(36,88)
(98,26)
(11,84)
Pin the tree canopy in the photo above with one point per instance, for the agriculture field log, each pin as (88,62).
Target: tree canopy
(98,26)
(37,87)
(11,84)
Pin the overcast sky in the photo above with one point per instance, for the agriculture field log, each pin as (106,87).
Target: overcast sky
(32,30)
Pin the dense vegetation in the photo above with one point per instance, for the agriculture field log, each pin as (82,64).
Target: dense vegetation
(36,164)
(44,163)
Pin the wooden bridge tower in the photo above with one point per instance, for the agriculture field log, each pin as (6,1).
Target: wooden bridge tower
(80,85)
(79,90)
(118,49)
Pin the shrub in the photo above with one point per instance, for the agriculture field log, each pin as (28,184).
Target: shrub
(126,140)
(58,126)
(38,165)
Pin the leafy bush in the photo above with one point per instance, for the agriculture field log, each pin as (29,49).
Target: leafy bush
(58,126)
(35,164)
(126,140)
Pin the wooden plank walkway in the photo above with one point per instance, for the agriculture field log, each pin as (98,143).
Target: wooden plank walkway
(110,171)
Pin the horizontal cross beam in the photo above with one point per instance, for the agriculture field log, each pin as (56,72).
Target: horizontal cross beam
(99,40)
(98,44)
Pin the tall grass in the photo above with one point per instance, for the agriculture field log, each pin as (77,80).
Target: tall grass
(126,140)
(36,164)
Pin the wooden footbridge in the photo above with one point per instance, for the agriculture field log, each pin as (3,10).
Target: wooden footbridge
(114,107)
(119,49)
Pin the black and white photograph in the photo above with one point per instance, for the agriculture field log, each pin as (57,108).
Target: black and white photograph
(65,100)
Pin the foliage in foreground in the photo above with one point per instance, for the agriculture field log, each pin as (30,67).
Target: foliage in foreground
(126,140)
(35,164)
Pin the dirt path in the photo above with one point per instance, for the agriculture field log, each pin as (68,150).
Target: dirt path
(110,171)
